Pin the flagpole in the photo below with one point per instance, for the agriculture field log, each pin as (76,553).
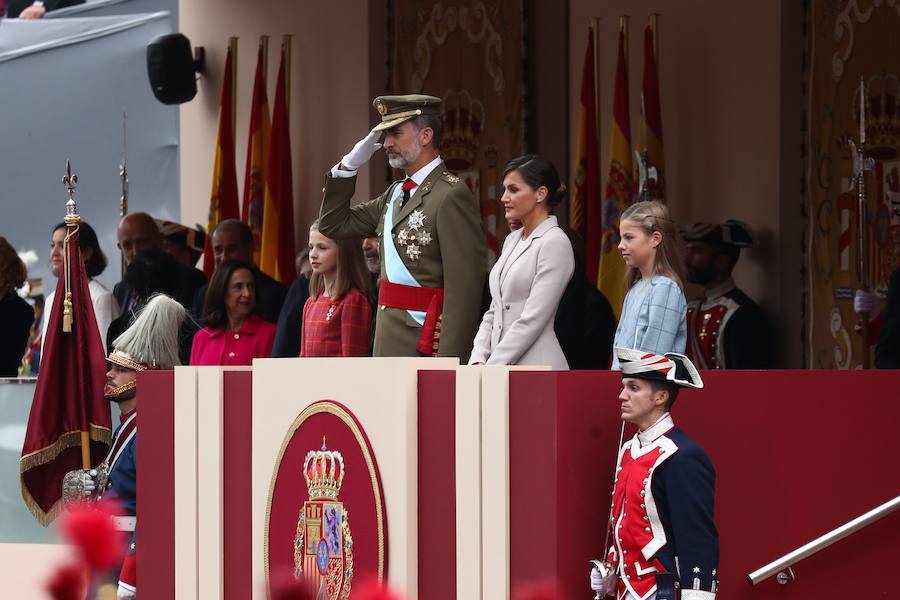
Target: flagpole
(286,51)
(233,49)
(862,248)
(72,219)
(595,33)
(264,45)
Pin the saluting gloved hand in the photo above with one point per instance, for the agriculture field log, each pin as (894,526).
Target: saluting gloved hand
(124,593)
(866,303)
(362,152)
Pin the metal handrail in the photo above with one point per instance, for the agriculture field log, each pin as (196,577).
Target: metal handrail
(822,542)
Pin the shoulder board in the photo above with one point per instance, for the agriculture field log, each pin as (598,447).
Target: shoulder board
(449,177)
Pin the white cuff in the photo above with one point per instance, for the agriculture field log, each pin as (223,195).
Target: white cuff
(336,171)
(697,595)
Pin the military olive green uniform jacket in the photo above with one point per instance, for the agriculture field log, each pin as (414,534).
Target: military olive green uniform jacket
(453,258)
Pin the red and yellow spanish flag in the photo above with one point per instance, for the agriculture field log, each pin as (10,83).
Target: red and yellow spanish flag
(585,217)
(223,197)
(277,256)
(619,188)
(650,135)
(69,425)
(256,197)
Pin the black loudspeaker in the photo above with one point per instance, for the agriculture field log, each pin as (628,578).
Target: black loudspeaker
(171,67)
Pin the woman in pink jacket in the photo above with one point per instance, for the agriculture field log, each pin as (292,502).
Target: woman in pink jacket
(234,333)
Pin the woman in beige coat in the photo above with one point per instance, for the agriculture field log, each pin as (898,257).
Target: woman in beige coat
(531,274)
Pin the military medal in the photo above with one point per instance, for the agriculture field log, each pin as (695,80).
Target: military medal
(415,236)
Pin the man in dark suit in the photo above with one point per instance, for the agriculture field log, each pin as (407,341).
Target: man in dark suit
(137,232)
(233,240)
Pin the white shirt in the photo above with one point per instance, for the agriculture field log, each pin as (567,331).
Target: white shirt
(106,309)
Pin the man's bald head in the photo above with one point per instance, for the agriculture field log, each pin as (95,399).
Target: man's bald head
(232,240)
(137,232)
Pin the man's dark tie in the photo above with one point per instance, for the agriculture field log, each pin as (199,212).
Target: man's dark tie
(407,187)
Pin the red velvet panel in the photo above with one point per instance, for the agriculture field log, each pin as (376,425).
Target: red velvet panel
(237,451)
(437,484)
(156,485)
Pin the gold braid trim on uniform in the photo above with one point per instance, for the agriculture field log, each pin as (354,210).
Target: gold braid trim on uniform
(70,439)
(116,392)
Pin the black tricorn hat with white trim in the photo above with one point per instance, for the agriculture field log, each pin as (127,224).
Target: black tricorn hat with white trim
(670,367)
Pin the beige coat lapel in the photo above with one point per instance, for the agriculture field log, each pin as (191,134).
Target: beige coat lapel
(523,245)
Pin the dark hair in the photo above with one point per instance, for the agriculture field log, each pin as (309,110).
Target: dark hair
(351,270)
(537,172)
(152,271)
(11,266)
(657,386)
(215,313)
(435,123)
(244,230)
(87,238)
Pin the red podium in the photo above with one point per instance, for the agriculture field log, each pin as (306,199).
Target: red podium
(492,480)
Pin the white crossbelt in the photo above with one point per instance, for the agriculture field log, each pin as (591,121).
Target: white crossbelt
(124,523)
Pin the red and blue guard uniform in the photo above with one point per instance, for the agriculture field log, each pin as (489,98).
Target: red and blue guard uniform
(664,539)
(123,489)
(727,330)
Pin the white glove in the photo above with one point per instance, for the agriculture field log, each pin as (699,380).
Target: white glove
(124,593)
(362,151)
(597,583)
(866,303)
(90,485)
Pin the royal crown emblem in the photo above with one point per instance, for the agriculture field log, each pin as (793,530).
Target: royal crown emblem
(463,122)
(323,547)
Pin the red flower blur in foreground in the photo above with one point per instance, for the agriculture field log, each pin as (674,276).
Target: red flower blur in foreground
(67,583)
(89,527)
(538,591)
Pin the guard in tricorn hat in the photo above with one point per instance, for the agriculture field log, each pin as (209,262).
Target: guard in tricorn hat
(664,543)
(433,253)
(726,328)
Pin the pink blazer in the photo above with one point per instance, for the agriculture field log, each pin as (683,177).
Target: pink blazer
(219,347)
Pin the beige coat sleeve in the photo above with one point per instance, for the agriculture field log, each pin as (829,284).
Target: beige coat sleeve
(338,220)
(463,254)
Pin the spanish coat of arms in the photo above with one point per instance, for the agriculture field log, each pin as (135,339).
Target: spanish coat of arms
(323,547)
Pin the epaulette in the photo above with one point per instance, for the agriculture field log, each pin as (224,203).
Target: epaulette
(449,177)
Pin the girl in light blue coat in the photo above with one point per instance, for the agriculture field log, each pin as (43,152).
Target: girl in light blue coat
(655,311)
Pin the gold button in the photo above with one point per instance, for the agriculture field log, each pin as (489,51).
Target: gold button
(646,530)
(383,307)
(231,355)
(237,336)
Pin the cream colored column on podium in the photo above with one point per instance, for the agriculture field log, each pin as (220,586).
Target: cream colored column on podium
(185,478)
(468,483)
(381,393)
(495,479)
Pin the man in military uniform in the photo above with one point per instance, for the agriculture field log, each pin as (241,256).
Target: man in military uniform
(432,246)
(150,343)
(664,541)
(726,329)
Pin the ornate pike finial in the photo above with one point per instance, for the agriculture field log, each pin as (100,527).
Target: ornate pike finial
(70,181)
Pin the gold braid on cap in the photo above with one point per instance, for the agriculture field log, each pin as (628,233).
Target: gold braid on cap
(123,360)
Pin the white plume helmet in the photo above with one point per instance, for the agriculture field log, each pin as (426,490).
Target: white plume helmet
(153,337)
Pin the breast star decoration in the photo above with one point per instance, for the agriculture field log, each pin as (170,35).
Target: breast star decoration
(414,236)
